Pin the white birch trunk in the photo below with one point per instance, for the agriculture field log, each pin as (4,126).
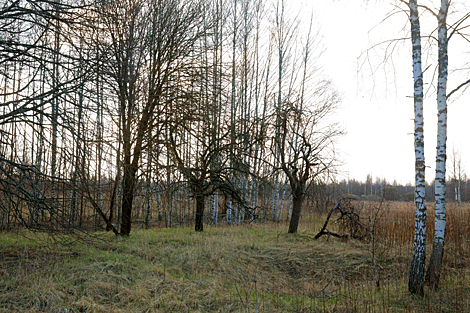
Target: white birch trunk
(282,200)
(435,263)
(281,49)
(290,207)
(275,197)
(416,277)
(215,208)
(183,209)
(233,107)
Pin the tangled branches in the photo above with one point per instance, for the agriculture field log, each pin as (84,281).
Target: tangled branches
(348,220)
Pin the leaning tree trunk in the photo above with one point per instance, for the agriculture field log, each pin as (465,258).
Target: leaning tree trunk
(435,263)
(416,277)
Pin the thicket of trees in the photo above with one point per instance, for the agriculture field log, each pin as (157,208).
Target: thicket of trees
(117,111)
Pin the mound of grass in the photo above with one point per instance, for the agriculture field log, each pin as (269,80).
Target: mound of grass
(257,268)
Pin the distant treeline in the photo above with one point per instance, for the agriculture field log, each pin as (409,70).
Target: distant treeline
(392,191)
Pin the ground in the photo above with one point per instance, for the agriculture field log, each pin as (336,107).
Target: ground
(250,268)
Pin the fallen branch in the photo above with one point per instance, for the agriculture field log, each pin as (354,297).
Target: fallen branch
(348,218)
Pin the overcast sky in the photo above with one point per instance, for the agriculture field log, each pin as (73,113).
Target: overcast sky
(377,110)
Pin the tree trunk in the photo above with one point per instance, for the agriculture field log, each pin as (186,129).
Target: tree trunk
(283,199)
(55,106)
(433,273)
(127,198)
(435,263)
(130,168)
(296,208)
(416,277)
(113,200)
(200,201)
(149,187)
(215,208)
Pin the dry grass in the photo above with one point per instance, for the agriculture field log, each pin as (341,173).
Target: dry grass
(256,268)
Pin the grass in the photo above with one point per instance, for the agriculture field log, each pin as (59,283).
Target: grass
(254,268)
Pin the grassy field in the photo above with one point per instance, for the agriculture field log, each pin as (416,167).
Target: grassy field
(254,268)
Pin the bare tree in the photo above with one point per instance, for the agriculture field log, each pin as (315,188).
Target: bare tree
(93,94)
(457,172)
(150,40)
(435,263)
(416,277)
(303,138)
(310,146)
(200,149)
(39,75)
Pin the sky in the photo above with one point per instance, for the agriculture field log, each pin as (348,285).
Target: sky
(377,105)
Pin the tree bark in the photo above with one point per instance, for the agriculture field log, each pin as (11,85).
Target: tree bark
(200,200)
(416,276)
(435,263)
(296,208)
(433,273)
(127,198)
(113,200)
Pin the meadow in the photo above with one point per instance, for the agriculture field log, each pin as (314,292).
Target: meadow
(257,267)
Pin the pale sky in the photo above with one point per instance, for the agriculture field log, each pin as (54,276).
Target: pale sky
(377,110)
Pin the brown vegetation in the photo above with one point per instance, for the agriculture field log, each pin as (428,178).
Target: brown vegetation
(256,268)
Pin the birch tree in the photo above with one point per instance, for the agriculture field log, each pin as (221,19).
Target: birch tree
(416,276)
(458,174)
(435,263)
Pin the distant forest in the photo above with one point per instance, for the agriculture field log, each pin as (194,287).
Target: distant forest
(392,191)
